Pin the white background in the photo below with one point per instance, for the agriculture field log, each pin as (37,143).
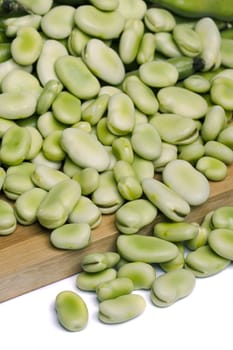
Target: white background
(203,321)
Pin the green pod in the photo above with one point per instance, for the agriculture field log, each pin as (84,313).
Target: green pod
(172,286)
(96,262)
(66,108)
(99,24)
(158,74)
(58,203)
(96,109)
(187,40)
(17,105)
(130,40)
(146,141)
(5,52)
(186,181)
(8,219)
(199,8)
(132,216)
(121,114)
(172,205)
(122,149)
(178,100)
(140,273)
(175,231)
(220,151)
(26,46)
(46,177)
(214,169)
(84,149)
(204,262)
(71,311)
(27,204)
(115,288)
(18,180)
(159,20)
(89,281)
(85,211)
(15,145)
(45,65)
(76,77)
(175,129)
(71,236)
(58,22)
(141,94)
(146,249)
(121,309)
(104,62)
(88,178)
(106,196)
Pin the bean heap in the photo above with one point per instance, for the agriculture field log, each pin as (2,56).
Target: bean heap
(95,101)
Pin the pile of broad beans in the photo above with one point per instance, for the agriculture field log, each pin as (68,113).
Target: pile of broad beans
(95,101)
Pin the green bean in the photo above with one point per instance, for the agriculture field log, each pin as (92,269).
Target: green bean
(214,169)
(187,39)
(95,110)
(175,231)
(49,93)
(177,262)
(89,281)
(17,105)
(159,20)
(143,168)
(165,44)
(220,151)
(192,152)
(222,217)
(146,48)
(132,8)
(88,178)
(46,177)
(13,24)
(130,40)
(9,65)
(66,108)
(77,41)
(168,153)
(105,5)
(220,240)
(220,92)
(122,149)
(197,83)
(158,74)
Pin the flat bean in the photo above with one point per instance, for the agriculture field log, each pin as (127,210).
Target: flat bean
(168,153)
(96,262)
(197,83)
(146,48)
(105,5)
(130,40)
(71,310)
(220,92)
(175,231)
(66,108)
(13,24)
(84,149)
(17,105)
(122,149)
(46,177)
(214,169)
(187,181)
(114,288)
(96,109)
(219,150)
(147,249)
(220,240)
(121,309)
(172,286)
(159,20)
(52,146)
(49,93)
(72,236)
(134,215)
(85,211)
(204,262)
(187,40)
(132,8)
(166,45)
(172,205)
(8,219)
(104,62)
(47,123)
(89,281)
(222,217)
(158,74)
(177,262)
(88,178)
(140,273)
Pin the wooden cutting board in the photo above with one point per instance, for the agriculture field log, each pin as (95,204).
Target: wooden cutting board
(28,261)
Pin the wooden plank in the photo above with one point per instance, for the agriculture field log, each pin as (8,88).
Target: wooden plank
(28,261)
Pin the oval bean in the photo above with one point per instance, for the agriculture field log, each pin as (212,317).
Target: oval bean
(159,20)
(220,151)
(71,310)
(89,281)
(17,105)
(222,217)
(121,309)
(8,219)
(214,169)
(175,231)
(158,74)
(46,177)
(146,249)
(114,288)
(96,262)
(140,273)
(72,236)
(220,240)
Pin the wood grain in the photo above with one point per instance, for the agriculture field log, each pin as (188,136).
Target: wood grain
(28,261)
